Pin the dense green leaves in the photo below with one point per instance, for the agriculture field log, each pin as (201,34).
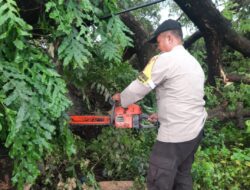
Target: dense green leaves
(35,99)
(74,50)
(32,98)
(12,30)
(114,39)
(81,31)
(89,47)
(223,161)
(124,153)
(33,95)
(70,18)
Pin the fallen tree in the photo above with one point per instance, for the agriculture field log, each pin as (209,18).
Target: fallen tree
(223,114)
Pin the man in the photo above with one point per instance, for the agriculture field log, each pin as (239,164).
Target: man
(178,80)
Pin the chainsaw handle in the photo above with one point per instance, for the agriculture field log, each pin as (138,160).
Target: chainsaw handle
(145,116)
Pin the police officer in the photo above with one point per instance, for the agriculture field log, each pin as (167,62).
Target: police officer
(178,80)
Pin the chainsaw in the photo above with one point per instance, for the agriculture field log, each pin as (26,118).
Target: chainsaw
(130,117)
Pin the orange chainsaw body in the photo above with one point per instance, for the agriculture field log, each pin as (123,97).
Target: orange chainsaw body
(120,118)
(127,117)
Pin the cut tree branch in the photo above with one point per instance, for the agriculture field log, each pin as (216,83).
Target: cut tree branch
(143,50)
(222,114)
(192,39)
(238,78)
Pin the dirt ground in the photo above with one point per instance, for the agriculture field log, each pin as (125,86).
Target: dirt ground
(116,185)
(105,185)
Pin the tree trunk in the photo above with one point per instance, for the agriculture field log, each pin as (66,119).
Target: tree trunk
(143,50)
(216,30)
(192,39)
(206,17)
(213,45)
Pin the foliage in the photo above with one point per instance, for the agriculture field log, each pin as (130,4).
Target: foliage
(224,156)
(59,172)
(82,32)
(238,12)
(228,135)
(222,161)
(198,50)
(231,93)
(32,98)
(235,62)
(101,80)
(123,154)
(222,168)
(89,47)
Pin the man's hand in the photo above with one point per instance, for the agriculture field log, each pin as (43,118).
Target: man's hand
(117,97)
(153,118)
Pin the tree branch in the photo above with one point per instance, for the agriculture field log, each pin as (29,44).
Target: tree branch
(192,39)
(214,20)
(143,50)
(238,78)
(222,114)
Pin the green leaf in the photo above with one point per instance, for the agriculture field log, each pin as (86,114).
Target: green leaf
(247,122)
(1,116)
(3,9)
(3,35)
(11,98)
(19,44)
(3,19)
(21,114)
(47,126)
(74,51)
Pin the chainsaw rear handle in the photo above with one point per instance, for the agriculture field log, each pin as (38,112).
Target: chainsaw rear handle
(145,116)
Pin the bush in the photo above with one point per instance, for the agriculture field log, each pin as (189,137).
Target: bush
(222,168)
(122,153)
(223,159)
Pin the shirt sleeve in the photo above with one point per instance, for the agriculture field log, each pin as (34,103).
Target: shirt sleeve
(147,80)
(133,93)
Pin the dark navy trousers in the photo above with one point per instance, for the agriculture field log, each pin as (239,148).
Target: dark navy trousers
(170,165)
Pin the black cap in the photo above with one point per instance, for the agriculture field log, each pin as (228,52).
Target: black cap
(165,26)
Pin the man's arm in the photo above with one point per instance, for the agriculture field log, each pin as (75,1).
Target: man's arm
(133,93)
(151,76)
